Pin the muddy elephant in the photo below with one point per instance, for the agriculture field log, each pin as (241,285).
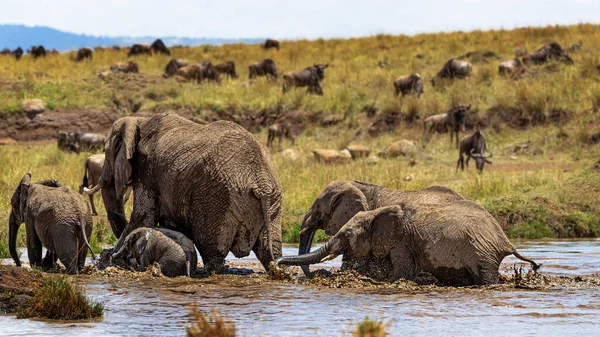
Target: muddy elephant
(434,208)
(56,218)
(173,251)
(393,242)
(215,182)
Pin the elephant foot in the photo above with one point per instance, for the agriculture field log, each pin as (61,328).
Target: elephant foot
(215,268)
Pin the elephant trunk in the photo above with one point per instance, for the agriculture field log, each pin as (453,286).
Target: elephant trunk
(307,234)
(13,230)
(306,259)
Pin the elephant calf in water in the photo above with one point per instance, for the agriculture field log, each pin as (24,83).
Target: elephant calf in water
(55,217)
(173,251)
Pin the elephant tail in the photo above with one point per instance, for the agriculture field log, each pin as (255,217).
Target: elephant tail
(266,205)
(534,265)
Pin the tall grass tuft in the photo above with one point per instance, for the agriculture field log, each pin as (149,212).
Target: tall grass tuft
(370,328)
(209,325)
(59,299)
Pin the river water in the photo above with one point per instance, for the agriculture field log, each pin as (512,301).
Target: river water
(143,308)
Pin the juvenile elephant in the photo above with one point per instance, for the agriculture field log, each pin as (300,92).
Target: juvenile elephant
(393,242)
(434,207)
(149,245)
(216,183)
(55,217)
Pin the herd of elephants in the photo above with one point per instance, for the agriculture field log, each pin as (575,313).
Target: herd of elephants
(214,187)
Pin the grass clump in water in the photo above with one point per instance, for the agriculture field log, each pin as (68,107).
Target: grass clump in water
(370,328)
(59,299)
(209,325)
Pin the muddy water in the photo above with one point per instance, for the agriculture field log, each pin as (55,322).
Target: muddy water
(157,307)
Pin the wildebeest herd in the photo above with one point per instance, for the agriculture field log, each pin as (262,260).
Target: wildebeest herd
(214,187)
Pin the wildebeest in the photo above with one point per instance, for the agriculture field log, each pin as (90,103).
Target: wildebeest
(91,177)
(37,51)
(546,53)
(158,46)
(88,141)
(454,118)
(67,141)
(310,77)
(173,66)
(139,49)
(84,53)
(409,84)
(454,68)
(269,43)
(227,68)
(198,73)
(125,67)
(473,146)
(5,51)
(284,128)
(17,53)
(54,52)
(265,67)
(509,67)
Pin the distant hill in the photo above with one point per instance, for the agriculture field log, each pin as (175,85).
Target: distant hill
(12,36)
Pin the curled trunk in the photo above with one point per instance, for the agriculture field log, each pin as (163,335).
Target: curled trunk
(307,235)
(13,230)
(306,259)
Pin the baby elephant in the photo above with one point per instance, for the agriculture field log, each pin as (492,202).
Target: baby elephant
(174,252)
(459,244)
(55,217)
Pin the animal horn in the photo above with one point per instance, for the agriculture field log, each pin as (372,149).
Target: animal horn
(475,155)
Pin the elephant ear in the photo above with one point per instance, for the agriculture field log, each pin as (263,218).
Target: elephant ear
(343,206)
(385,229)
(22,194)
(120,151)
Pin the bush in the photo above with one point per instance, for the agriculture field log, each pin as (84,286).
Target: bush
(59,299)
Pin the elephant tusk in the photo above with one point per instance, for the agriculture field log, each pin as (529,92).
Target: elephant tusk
(328,257)
(304,230)
(93,190)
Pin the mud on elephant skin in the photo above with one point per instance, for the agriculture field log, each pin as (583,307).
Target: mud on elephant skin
(439,213)
(56,218)
(216,182)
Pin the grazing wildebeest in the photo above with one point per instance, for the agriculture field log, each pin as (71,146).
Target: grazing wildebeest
(198,73)
(227,68)
(509,67)
(90,141)
(158,46)
(140,48)
(173,66)
(454,68)
(125,67)
(265,67)
(310,77)
(409,84)
(546,53)
(473,146)
(37,51)
(84,53)
(284,128)
(454,118)
(5,51)
(17,53)
(269,43)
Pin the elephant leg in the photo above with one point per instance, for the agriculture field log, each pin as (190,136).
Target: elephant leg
(488,274)
(49,261)
(67,252)
(93,206)
(34,248)
(82,250)
(403,262)
(262,251)
(146,212)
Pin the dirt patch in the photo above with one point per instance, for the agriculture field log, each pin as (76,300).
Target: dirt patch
(45,126)
(17,287)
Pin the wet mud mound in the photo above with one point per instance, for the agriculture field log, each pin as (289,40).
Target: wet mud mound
(45,126)
(17,287)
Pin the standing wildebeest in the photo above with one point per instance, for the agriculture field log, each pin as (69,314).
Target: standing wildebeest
(282,129)
(198,73)
(37,51)
(269,43)
(509,67)
(454,68)
(140,48)
(91,175)
(454,118)
(409,84)
(158,46)
(173,66)
(67,141)
(90,141)
(227,68)
(125,67)
(474,147)
(17,53)
(310,77)
(84,53)
(546,53)
(265,67)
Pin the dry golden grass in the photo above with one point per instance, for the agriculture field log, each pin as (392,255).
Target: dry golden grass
(209,325)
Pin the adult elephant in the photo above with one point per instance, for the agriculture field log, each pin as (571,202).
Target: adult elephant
(55,217)
(458,243)
(216,183)
(342,200)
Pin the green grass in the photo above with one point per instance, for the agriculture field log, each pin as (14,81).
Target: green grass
(58,299)
(370,328)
